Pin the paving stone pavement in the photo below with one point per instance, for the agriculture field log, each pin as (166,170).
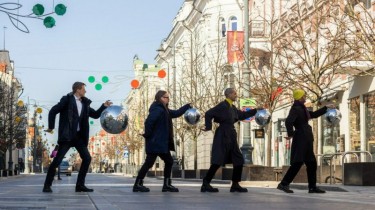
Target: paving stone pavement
(114,191)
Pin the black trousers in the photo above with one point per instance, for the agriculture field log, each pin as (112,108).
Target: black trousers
(311,167)
(150,160)
(63,149)
(236,174)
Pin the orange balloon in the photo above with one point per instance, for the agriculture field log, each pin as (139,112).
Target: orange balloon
(162,73)
(134,83)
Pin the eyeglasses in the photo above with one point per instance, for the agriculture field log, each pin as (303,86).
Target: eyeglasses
(165,97)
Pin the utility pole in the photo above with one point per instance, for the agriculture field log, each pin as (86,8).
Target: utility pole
(247,148)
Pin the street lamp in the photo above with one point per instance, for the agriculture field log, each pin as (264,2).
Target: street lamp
(36,112)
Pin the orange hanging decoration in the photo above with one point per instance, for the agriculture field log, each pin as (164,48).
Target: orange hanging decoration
(134,83)
(162,73)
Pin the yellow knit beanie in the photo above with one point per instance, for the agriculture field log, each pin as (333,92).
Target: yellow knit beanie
(298,94)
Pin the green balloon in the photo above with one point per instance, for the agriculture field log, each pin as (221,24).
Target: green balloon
(105,79)
(49,22)
(60,9)
(38,9)
(91,79)
(98,86)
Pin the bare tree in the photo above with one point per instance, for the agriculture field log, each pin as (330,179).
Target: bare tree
(310,48)
(12,119)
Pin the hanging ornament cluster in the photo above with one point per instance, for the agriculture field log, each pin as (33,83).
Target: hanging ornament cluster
(98,85)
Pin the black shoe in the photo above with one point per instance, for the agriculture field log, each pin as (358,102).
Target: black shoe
(47,189)
(316,190)
(83,188)
(206,187)
(138,186)
(168,187)
(237,188)
(59,178)
(284,188)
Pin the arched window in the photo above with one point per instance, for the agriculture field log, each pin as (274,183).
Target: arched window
(233,23)
(222,27)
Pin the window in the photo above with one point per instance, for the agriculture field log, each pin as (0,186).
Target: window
(222,27)
(369,100)
(354,124)
(233,23)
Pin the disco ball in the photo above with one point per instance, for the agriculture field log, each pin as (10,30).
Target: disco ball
(114,119)
(333,116)
(192,116)
(262,117)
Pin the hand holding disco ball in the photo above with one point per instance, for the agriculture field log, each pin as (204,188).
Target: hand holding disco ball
(262,117)
(192,116)
(333,116)
(114,119)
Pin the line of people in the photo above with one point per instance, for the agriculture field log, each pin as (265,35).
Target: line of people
(75,110)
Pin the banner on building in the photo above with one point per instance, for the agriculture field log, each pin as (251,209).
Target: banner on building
(235,44)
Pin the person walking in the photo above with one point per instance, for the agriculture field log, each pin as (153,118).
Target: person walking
(158,133)
(225,149)
(53,155)
(74,110)
(302,151)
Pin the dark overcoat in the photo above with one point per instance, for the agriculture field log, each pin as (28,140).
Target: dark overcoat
(69,119)
(302,134)
(159,128)
(225,148)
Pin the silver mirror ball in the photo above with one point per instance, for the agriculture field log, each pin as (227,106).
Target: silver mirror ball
(192,116)
(114,119)
(262,117)
(333,116)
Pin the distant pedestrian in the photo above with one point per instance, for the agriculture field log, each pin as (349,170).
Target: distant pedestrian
(53,155)
(21,165)
(302,146)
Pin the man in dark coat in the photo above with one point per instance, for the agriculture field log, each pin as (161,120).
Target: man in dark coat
(225,149)
(75,110)
(159,140)
(302,147)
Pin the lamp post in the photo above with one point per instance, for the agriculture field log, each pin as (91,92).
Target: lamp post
(35,125)
(247,148)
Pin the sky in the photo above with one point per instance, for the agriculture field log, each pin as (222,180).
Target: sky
(94,38)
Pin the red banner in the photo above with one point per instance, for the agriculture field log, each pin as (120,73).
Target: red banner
(235,44)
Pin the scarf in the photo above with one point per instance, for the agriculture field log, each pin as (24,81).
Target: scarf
(307,114)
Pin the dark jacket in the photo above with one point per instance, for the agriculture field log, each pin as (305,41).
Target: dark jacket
(225,148)
(159,128)
(302,145)
(69,119)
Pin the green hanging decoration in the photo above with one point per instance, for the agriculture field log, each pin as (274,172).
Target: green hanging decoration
(98,86)
(49,22)
(60,9)
(91,79)
(38,9)
(105,79)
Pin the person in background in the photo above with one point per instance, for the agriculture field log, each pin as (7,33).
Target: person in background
(53,155)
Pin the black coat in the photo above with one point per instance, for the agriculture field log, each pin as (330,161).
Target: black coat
(302,145)
(225,148)
(159,128)
(69,119)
